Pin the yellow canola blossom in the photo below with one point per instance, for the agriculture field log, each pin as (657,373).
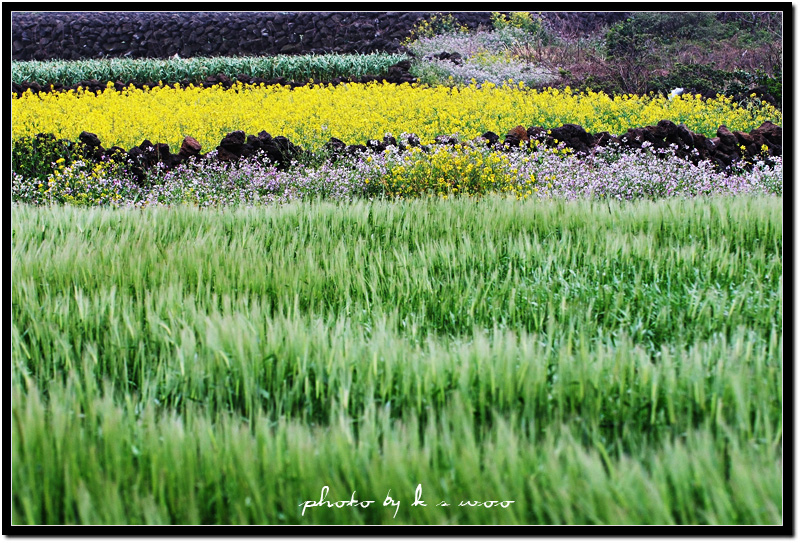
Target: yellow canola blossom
(355,113)
(466,171)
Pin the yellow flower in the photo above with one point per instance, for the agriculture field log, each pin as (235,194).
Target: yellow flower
(355,113)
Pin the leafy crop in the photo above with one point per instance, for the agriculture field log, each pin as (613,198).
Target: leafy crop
(170,71)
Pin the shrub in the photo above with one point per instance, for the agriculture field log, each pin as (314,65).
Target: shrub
(34,156)
(435,25)
(443,172)
(774,85)
(627,37)
(709,81)
(532,26)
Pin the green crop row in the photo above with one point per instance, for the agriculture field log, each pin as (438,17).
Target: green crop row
(169,71)
(594,363)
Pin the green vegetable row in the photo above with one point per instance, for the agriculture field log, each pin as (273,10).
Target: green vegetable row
(297,68)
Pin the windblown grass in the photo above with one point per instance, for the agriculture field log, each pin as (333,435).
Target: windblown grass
(596,363)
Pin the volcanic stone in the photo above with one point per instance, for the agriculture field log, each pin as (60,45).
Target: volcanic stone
(189,147)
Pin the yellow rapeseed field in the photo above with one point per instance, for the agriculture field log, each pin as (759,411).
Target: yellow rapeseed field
(354,113)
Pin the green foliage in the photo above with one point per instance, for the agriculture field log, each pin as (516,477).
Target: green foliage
(622,38)
(774,84)
(706,79)
(432,75)
(532,27)
(63,171)
(628,38)
(648,29)
(499,21)
(170,71)
(591,82)
(519,19)
(436,25)
(178,366)
(753,27)
(648,40)
(486,58)
(35,157)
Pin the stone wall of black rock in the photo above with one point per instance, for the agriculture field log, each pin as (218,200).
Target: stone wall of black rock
(83,35)
(398,73)
(723,150)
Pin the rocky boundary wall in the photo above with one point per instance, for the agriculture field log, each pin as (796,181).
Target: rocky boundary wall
(84,35)
(723,150)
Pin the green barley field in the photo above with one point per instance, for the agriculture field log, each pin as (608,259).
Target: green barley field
(536,362)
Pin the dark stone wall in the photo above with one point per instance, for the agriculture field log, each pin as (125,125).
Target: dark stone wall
(82,35)
(723,150)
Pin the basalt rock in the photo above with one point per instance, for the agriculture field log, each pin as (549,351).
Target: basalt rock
(447,139)
(604,139)
(233,143)
(116,154)
(189,147)
(769,135)
(355,149)
(726,137)
(81,35)
(389,140)
(723,150)
(413,140)
(376,146)
(490,137)
(90,146)
(747,141)
(279,150)
(770,131)
(335,147)
(574,136)
(538,134)
(89,139)
(225,155)
(516,136)
(454,57)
